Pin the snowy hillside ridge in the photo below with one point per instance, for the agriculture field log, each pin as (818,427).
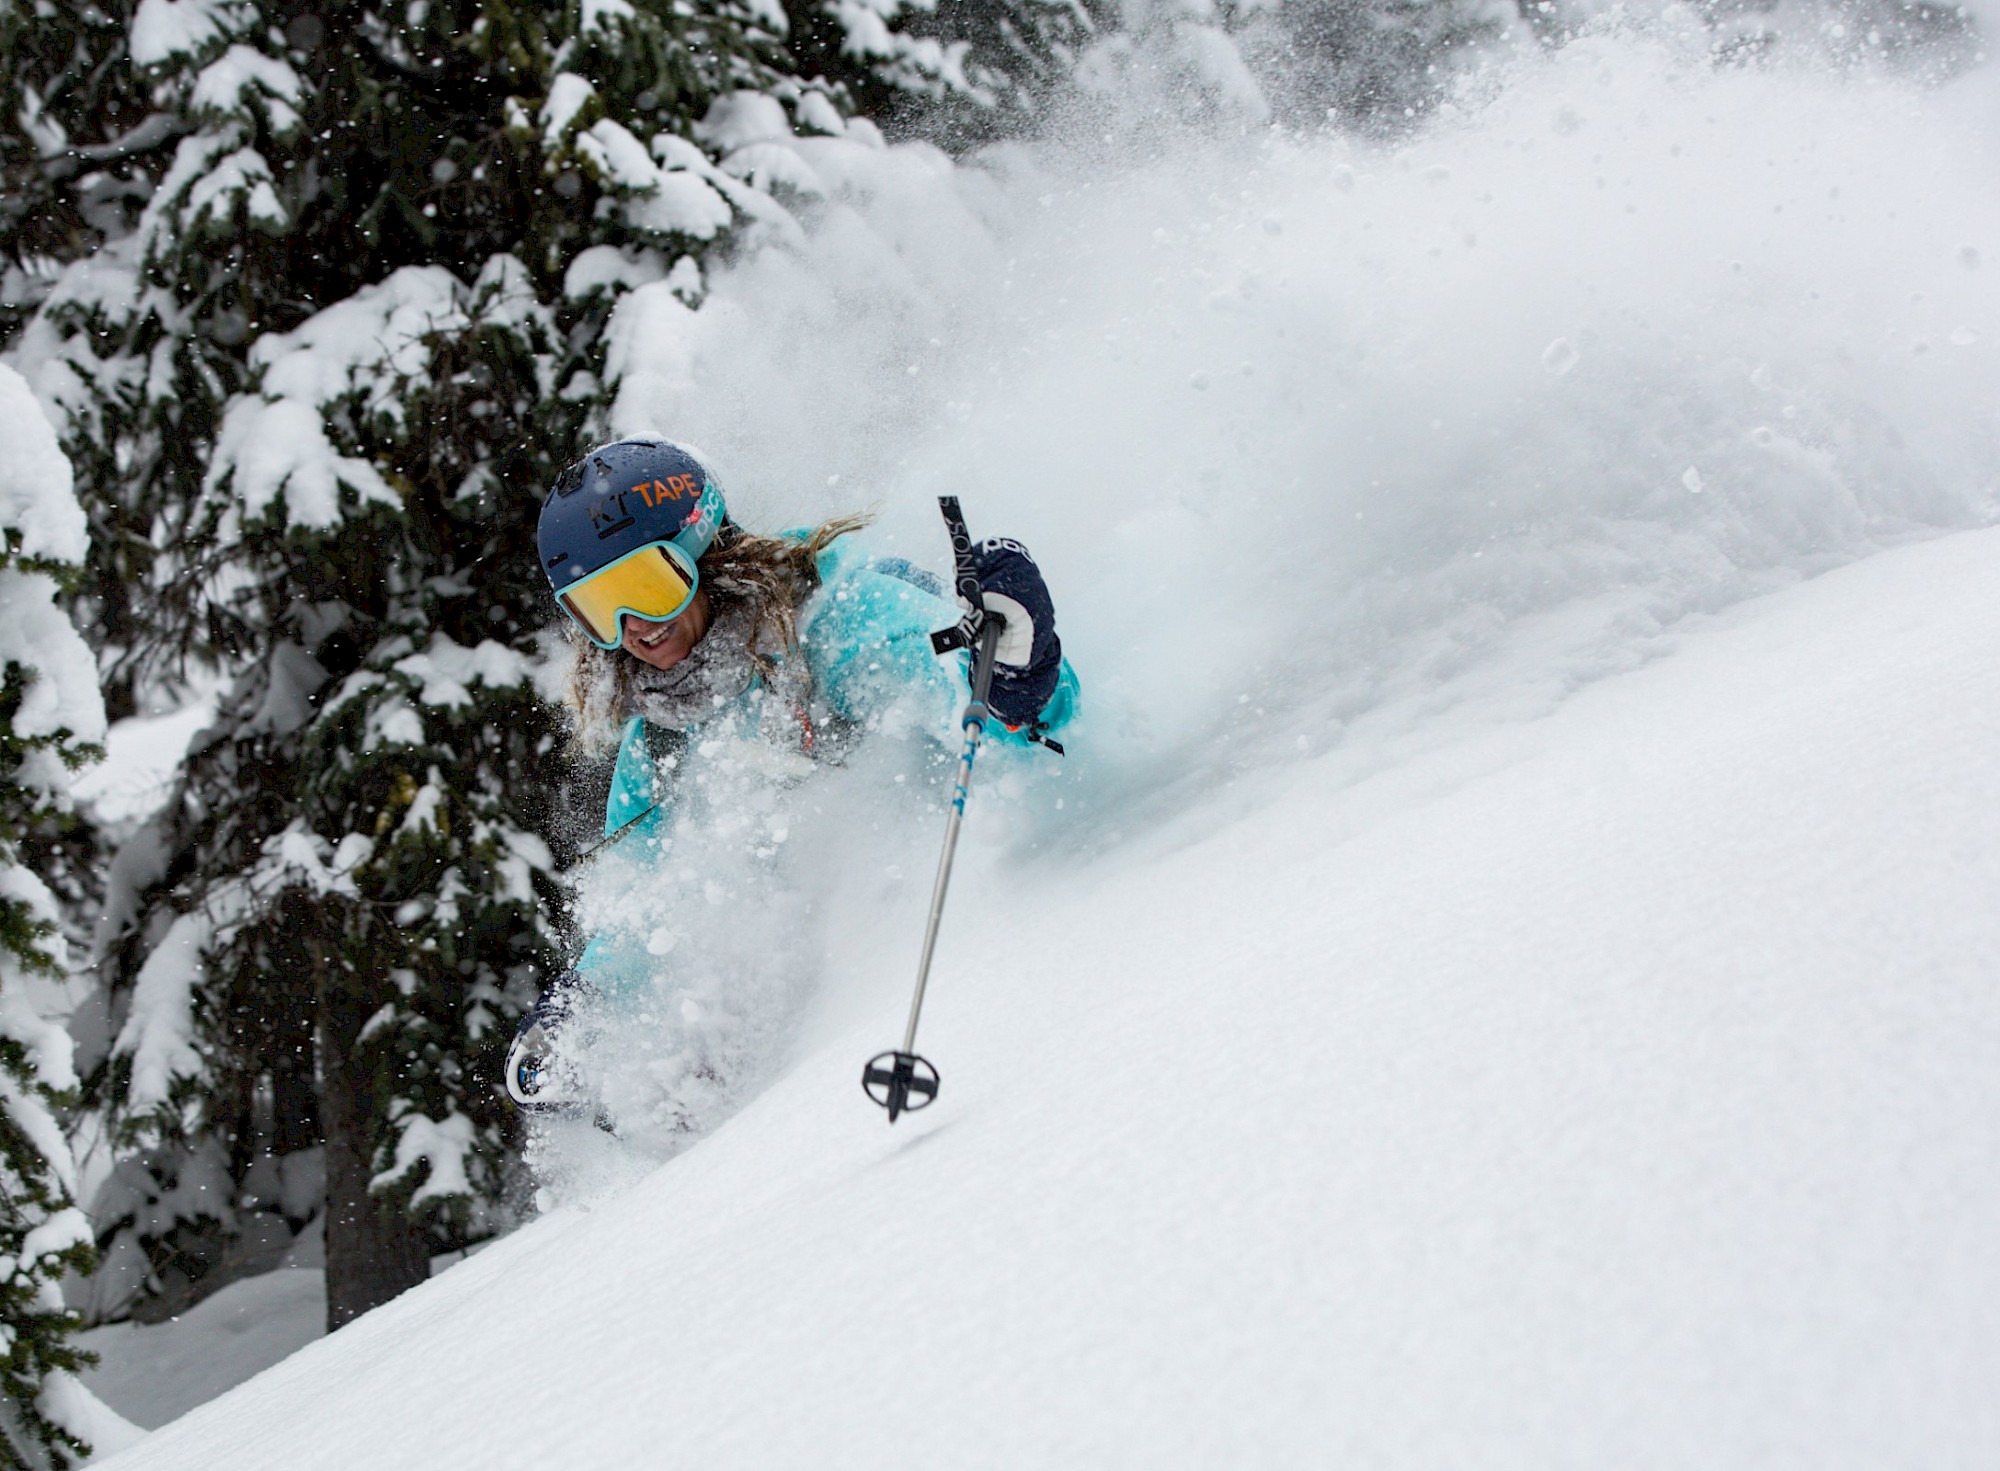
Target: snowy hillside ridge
(53,714)
(1619,1079)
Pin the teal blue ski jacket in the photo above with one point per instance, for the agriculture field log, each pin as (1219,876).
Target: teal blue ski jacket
(865,633)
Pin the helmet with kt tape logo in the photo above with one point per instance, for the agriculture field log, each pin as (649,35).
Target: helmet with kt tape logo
(622,529)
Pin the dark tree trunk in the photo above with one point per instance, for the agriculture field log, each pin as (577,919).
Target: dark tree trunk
(373,1252)
(295,1110)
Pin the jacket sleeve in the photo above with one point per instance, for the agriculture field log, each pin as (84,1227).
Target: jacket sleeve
(867,637)
(614,964)
(638,789)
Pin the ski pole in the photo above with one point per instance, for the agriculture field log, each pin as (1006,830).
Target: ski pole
(974,724)
(901,1081)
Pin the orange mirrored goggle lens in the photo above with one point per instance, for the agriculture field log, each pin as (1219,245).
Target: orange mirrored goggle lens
(649,583)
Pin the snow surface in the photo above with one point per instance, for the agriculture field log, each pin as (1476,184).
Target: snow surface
(158,1034)
(142,755)
(164,29)
(275,443)
(242,75)
(152,1373)
(37,495)
(568,94)
(1612,1089)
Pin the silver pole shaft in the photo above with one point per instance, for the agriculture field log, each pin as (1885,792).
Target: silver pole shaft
(975,729)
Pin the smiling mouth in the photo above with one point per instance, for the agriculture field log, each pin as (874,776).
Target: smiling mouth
(655,639)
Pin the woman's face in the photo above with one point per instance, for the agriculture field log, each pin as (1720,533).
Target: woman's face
(663,645)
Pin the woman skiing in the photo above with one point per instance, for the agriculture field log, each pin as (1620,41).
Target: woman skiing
(697,641)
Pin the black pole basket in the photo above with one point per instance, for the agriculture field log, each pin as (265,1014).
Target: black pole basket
(901,1082)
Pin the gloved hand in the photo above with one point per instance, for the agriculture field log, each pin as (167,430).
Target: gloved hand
(1028,661)
(540,1077)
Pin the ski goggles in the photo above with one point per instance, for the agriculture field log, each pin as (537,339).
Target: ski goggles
(656,582)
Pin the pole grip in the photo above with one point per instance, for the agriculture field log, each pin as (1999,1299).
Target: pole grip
(964,633)
(961,553)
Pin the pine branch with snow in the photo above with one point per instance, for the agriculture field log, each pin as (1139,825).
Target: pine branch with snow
(961,73)
(50,716)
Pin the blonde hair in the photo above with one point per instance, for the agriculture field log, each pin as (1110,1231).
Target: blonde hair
(769,575)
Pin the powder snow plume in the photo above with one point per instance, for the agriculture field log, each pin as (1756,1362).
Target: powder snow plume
(1329,446)
(1320,428)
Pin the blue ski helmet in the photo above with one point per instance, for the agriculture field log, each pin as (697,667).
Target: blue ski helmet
(624,496)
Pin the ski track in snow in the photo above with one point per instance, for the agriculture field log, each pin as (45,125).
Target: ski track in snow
(1480,991)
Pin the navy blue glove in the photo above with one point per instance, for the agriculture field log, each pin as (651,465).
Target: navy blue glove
(1028,661)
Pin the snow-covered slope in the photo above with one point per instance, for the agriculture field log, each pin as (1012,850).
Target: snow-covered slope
(154,1372)
(1613,1088)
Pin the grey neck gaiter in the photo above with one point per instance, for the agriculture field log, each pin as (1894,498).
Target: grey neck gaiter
(716,671)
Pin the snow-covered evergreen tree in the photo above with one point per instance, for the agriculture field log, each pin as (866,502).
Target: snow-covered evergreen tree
(958,71)
(314,392)
(90,137)
(49,710)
